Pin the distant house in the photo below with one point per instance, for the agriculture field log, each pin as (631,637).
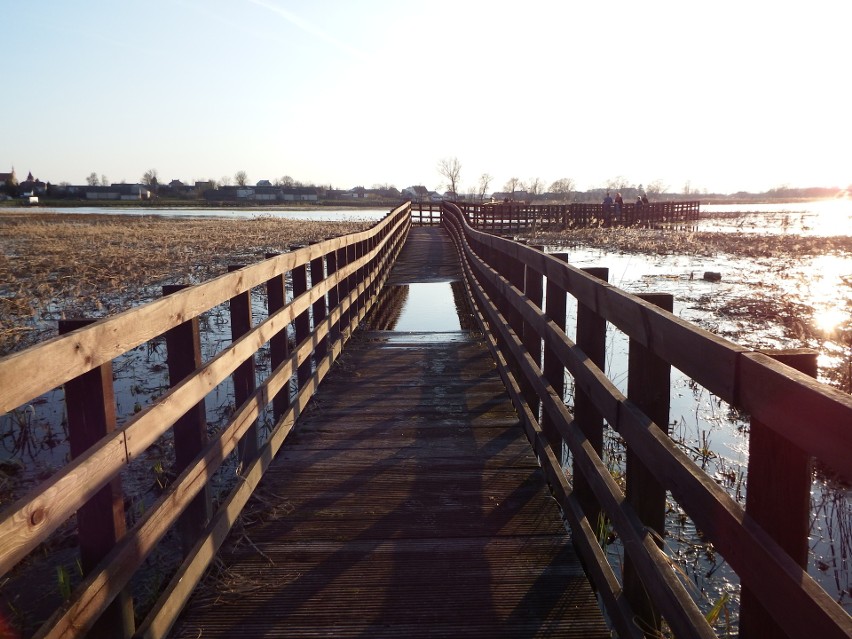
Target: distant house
(8,182)
(32,186)
(299,194)
(266,193)
(115,192)
(264,183)
(206,185)
(101,193)
(222,194)
(416,193)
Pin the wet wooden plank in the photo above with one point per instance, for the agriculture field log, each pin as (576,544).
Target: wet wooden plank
(428,256)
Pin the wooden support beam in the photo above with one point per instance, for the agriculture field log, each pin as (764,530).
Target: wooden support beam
(648,386)
(244,375)
(778,497)
(90,404)
(183,354)
(303,322)
(279,345)
(554,370)
(591,339)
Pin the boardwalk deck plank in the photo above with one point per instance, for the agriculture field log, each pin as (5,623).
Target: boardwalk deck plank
(407,503)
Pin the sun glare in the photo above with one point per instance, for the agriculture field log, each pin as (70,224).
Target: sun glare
(830,308)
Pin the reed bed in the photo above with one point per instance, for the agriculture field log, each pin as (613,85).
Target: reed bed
(702,243)
(55,265)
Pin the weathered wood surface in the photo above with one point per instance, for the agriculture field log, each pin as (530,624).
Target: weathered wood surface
(427,256)
(407,502)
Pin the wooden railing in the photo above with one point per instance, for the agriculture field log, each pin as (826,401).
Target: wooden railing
(426,214)
(502,219)
(334,284)
(794,419)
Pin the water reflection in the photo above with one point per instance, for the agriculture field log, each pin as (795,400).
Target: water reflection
(421,307)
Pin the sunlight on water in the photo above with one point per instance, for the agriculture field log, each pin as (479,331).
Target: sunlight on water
(815,218)
(821,291)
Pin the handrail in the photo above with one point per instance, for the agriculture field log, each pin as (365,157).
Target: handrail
(362,262)
(510,217)
(498,273)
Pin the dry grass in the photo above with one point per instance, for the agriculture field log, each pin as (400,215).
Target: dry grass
(55,265)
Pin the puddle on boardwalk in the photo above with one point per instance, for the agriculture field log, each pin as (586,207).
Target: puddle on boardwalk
(433,307)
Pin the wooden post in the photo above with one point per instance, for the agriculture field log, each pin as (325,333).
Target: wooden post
(591,338)
(90,403)
(534,291)
(303,322)
(554,371)
(183,354)
(352,284)
(244,375)
(333,296)
(342,291)
(778,497)
(648,386)
(320,308)
(513,270)
(279,345)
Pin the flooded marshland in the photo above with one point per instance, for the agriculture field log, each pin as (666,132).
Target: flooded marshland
(785,281)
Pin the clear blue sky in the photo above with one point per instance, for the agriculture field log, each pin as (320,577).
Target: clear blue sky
(728,95)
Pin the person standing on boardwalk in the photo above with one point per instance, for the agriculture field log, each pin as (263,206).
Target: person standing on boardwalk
(607,209)
(619,205)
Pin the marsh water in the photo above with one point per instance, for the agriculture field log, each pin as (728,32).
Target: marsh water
(32,439)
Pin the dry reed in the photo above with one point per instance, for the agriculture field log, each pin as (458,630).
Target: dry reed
(63,265)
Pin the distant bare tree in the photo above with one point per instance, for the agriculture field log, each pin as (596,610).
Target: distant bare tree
(93,179)
(563,187)
(150,177)
(484,183)
(618,183)
(225,180)
(450,168)
(656,187)
(104,180)
(535,186)
(241,178)
(513,185)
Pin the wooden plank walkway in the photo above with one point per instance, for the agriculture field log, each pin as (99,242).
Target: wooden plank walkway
(407,503)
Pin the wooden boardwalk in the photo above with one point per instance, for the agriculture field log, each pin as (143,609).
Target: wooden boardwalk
(407,503)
